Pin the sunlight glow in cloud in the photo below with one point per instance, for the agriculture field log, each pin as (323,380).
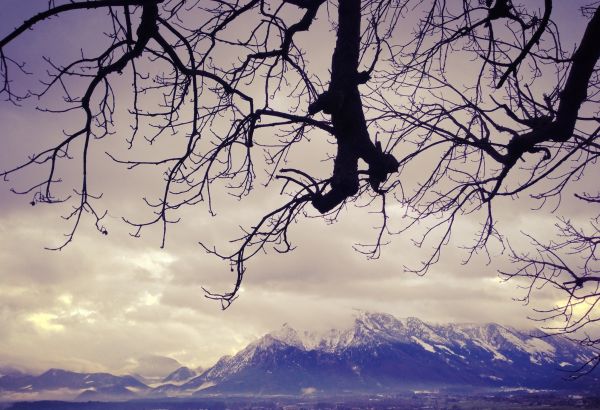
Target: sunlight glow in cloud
(149,299)
(155,262)
(66,299)
(45,322)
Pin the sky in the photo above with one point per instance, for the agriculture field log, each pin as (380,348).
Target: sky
(104,303)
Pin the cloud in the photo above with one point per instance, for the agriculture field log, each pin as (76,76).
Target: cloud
(104,302)
(151,366)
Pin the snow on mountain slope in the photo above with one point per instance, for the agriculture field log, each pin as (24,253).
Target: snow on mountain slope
(381,350)
(378,352)
(374,329)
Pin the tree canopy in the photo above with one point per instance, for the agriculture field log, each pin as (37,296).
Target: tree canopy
(441,108)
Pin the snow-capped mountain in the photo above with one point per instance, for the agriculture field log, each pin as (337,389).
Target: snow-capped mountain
(381,352)
(377,353)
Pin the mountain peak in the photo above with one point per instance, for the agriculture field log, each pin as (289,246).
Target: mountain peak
(180,375)
(54,372)
(305,340)
(287,335)
(375,320)
(380,351)
(377,316)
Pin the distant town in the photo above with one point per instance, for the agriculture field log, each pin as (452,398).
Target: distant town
(417,400)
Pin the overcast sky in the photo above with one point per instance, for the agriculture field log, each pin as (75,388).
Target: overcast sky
(105,301)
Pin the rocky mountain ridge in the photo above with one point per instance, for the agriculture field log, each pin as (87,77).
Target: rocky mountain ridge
(381,352)
(377,353)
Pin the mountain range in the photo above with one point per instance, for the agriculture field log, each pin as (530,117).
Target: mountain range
(378,353)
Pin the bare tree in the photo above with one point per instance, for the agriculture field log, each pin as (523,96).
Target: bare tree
(523,121)
(571,265)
